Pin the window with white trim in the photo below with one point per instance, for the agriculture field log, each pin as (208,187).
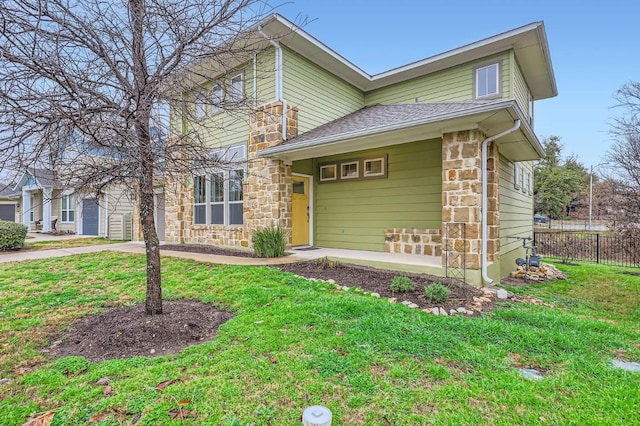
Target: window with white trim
(221,190)
(328,172)
(200,110)
(349,170)
(236,93)
(530,110)
(517,176)
(217,98)
(487,81)
(374,167)
(67,209)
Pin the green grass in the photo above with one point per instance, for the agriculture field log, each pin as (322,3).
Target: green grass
(294,343)
(67,243)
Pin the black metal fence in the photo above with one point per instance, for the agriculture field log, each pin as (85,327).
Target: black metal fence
(592,247)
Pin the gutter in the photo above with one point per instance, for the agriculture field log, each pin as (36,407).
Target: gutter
(485,202)
(279,81)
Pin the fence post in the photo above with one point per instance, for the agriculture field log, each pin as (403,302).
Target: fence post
(598,248)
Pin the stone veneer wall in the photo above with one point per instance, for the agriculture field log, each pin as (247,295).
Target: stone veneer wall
(427,242)
(267,189)
(462,194)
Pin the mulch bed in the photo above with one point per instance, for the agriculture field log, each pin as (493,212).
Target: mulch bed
(127,331)
(379,281)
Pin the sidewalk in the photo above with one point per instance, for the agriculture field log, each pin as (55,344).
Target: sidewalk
(392,261)
(138,248)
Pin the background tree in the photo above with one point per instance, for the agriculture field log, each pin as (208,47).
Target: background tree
(80,79)
(624,158)
(557,181)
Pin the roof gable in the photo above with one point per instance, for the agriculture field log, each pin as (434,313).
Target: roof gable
(529,43)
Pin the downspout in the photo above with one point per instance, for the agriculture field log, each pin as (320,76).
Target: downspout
(255,80)
(485,201)
(279,82)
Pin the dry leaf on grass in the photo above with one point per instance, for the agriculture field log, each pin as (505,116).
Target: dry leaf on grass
(42,420)
(166,383)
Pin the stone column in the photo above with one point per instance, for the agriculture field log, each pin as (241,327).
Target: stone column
(178,209)
(268,187)
(462,194)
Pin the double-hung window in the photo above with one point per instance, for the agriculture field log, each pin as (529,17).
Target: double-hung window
(217,98)
(487,81)
(221,189)
(236,94)
(67,213)
(200,106)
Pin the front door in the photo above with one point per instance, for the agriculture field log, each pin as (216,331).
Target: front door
(90,216)
(300,211)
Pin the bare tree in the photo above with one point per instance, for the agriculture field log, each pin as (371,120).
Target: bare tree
(624,158)
(80,80)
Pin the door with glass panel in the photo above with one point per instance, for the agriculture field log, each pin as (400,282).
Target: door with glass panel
(300,211)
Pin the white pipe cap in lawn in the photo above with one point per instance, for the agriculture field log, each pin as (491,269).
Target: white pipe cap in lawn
(316,415)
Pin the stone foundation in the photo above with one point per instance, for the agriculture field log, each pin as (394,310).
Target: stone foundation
(426,242)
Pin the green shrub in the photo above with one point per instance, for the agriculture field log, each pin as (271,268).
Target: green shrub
(401,284)
(269,242)
(12,235)
(437,292)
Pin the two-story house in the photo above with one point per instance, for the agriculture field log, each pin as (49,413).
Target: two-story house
(430,159)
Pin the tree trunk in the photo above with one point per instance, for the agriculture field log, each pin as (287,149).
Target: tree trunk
(153,303)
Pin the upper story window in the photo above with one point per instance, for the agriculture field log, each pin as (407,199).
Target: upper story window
(487,82)
(217,97)
(236,94)
(200,106)
(530,110)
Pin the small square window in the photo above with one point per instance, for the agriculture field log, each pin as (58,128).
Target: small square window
(374,167)
(298,187)
(349,170)
(487,81)
(328,172)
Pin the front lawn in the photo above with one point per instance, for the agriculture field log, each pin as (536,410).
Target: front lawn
(67,243)
(294,343)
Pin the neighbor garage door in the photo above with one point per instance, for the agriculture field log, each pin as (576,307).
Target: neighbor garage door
(8,212)
(89,217)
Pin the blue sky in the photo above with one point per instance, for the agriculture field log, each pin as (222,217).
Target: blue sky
(594,45)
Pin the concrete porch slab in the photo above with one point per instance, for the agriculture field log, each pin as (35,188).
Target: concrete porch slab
(394,261)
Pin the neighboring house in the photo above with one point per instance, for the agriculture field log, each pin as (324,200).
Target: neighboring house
(430,159)
(48,205)
(9,203)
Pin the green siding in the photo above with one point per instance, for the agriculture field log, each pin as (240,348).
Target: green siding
(354,215)
(304,167)
(452,84)
(228,128)
(520,89)
(516,213)
(319,95)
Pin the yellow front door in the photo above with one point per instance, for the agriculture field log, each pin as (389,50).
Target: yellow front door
(300,211)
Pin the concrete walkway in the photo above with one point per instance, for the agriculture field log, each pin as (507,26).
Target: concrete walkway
(401,262)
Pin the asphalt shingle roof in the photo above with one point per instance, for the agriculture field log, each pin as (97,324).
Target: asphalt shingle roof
(45,178)
(383,116)
(7,191)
